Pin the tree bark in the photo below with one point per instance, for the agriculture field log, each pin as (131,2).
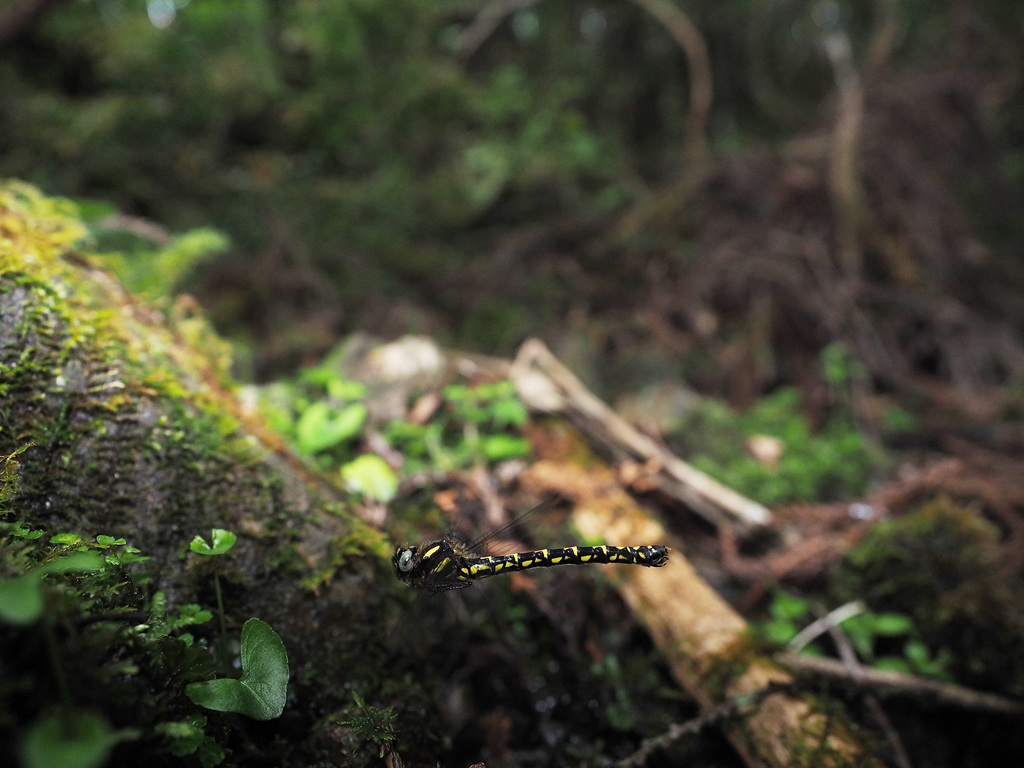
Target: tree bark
(133,432)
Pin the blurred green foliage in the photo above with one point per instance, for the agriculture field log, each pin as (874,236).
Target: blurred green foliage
(939,564)
(326,416)
(353,118)
(154,272)
(378,141)
(887,641)
(834,462)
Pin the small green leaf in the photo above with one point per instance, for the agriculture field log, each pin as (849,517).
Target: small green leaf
(73,561)
(321,427)
(891,624)
(370,476)
(786,606)
(343,389)
(20,531)
(779,631)
(66,539)
(183,736)
(917,653)
(502,447)
(510,413)
(261,692)
(223,540)
(70,738)
(21,599)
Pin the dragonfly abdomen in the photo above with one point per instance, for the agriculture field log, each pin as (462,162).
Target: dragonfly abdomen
(481,567)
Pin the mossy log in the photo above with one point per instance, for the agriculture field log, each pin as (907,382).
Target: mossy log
(130,428)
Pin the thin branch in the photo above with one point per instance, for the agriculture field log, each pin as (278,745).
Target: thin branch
(885,683)
(849,659)
(485,22)
(545,384)
(833,619)
(698,61)
(691,727)
(19,17)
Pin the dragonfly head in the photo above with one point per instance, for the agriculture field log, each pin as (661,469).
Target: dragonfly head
(403,560)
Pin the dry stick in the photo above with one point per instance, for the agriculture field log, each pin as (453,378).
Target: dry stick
(849,660)
(689,39)
(847,197)
(488,20)
(545,384)
(682,30)
(886,684)
(692,727)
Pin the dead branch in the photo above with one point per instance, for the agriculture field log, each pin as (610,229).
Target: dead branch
(843,175)
(691,42)
(18,17)
(485,22)
(546,385)
(891,684)
(677,730)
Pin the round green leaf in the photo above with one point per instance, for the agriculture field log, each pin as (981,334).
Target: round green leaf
(502,447)
(321,427)
(370,476)
(68,739)
(222,540)
(21,599)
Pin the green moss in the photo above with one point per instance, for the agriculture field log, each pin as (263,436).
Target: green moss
(938,564)
(834,462)
(126,431)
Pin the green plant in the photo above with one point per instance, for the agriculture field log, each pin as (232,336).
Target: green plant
(375,724)
(188,736)
(939,564)
(835,462)
(52,583)
(873,636)
(371,477)
(260,693)
(322,426)
(262,689)
(22,598)
(221,542)
(321,412)
(68,737)
(324,414)
(154,272)
(476,425)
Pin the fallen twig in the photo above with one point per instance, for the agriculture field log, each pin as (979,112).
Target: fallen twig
(545,384)
(884,683)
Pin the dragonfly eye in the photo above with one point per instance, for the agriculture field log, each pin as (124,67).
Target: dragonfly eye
(405,561)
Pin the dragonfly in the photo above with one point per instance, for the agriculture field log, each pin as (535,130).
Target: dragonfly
(448,563)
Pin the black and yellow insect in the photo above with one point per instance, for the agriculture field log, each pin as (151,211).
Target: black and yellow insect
(449,564)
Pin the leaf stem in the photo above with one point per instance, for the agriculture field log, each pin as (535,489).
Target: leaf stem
(222,639)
